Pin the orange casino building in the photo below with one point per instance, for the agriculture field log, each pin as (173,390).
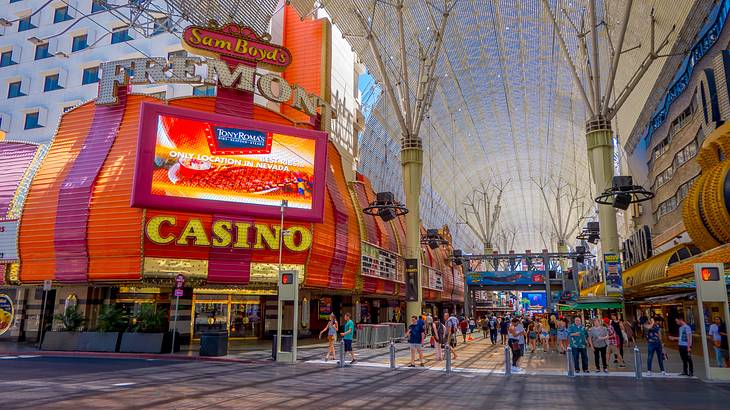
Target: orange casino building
(82,226)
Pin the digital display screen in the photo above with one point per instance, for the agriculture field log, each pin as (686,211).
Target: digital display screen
(198,161)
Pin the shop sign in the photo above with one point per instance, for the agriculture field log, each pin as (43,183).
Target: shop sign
(201,162)
(435,279)
(170,267)
(224,233)
(637,247)
(8,241)
(379,263)
(239,42)
(612,273)
(7,313)
(504,278)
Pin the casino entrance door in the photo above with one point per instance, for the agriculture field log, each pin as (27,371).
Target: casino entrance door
(240,315)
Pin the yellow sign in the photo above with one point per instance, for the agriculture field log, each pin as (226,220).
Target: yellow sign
(169,268)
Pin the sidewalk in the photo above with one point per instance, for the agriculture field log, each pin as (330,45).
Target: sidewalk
(477,356)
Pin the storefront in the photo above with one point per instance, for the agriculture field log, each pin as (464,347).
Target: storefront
(135,191)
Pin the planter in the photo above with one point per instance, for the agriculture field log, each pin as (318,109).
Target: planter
(99,341)
(63,341)
(146,342)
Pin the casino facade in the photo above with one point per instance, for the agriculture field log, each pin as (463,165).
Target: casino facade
(134,191)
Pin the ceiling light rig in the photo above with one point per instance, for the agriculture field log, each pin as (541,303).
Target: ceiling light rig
(623,193)
(590,233)
(386,207)
(433,238)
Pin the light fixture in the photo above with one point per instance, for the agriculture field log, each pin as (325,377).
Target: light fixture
(386,207)
(5,23)
(433,239)
(61,54)
(35,40)
(623,193)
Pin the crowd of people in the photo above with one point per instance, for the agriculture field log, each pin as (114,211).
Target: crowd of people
(605,337)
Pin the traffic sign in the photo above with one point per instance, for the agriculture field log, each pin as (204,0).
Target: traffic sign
(47,284)
(178,292)
(179,281)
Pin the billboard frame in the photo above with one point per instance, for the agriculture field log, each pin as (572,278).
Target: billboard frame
(142,196)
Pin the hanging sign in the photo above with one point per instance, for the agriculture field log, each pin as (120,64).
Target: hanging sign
(612,273)
(7,313)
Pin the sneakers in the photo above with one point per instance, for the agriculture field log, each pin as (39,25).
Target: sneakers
(516,369)
(411,365)
(664,373)
(586,371)
(605,370)
(648,374)
(353,361)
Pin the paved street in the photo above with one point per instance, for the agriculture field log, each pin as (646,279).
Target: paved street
(80,383)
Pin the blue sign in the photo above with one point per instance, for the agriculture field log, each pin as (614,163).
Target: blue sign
(529,277)
(239,141)
(535,300)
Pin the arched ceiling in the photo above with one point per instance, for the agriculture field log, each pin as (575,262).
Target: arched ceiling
(505,108)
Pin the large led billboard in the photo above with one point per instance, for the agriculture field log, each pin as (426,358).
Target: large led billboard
(203,162)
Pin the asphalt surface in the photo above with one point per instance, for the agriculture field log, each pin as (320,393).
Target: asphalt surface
(92,383)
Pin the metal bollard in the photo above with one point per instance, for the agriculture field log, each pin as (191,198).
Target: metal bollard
(637,362)
(571,365)
(447,349)
(392,355)
(507,361)
(341,363)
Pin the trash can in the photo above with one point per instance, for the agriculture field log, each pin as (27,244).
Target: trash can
(214,343)
(286,344)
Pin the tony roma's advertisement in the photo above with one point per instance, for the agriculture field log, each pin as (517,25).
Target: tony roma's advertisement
(203,162)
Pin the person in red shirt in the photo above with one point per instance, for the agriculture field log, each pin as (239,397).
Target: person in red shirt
(463,325)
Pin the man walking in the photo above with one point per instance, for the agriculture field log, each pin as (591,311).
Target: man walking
(347,336)
(684,340)
(578,342)
(415,337)
(452,324)
(493,330)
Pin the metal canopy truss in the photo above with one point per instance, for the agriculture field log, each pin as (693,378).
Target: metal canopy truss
(504,107)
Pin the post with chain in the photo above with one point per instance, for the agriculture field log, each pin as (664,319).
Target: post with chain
(637,362)
(447,350)
(569,360)
(507,361)
(392,355)
(341,362)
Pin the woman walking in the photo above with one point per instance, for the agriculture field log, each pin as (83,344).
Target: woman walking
(652,332)
(516,334)
(331,330)
(562,336)
(438,332)
(614,347)
(532,330)
(553,325)
(598,341)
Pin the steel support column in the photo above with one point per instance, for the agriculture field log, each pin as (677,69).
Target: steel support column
(600,155)
(412,162)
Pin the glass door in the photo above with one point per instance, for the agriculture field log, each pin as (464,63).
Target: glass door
(209,316)
(245,319)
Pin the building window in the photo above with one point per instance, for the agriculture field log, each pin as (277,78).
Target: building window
(204,90)
(51,83)
(99,5)
(61,14)
(121,36)
(6,58)
(68,108)
(90,75)
(41,51)
(161,25)
(14,1)
(25,24)
(80,42)
(31,120)
(178,53)
(14,90)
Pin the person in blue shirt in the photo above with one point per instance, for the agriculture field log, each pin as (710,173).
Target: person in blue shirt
(347,336)
(684,340)
(652,332)
(415,337)
(579,344)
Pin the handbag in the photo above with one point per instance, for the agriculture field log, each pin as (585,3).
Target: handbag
(514,344)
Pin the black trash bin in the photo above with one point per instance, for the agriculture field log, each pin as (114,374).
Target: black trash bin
(214,343)
(286,344)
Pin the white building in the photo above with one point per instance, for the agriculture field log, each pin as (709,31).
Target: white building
(50,53)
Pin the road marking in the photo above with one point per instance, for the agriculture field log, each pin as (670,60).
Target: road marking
(8,357)
(123,384)
(25,356)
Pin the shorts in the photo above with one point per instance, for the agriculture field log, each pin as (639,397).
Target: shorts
(348,345)
(544,334)
(553,332)
(331,338)
(416,346)
(452,341)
